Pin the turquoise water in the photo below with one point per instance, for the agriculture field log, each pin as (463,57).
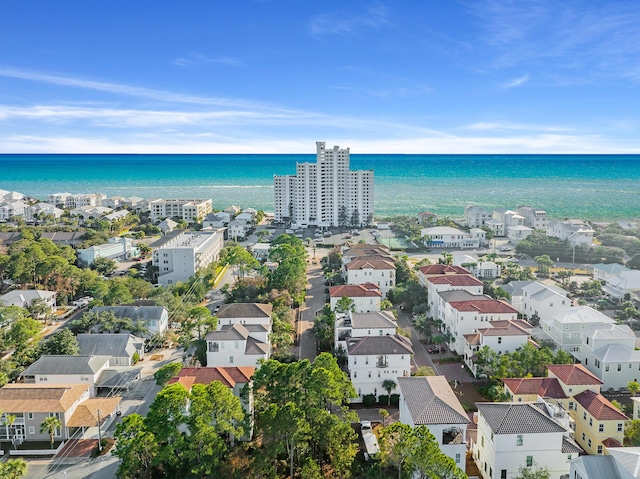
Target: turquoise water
(597,187)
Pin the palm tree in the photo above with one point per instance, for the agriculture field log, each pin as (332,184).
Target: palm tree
(49,425)
(14,469)
(384,414)
(633,387)
(8,422)
(389,385)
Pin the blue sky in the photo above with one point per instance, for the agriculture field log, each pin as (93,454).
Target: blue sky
(242,76)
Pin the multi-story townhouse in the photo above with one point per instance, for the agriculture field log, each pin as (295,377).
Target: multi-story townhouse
(501,336)
(599,423)
(363,250)
(366,297)
(326,193)
(466,317)
(430,401)
(516,294)
(25,297)
(77,201)
(608,351)
(475,216)
(377,271)
(518,233)
(565,327)
(239,345)
(515,435)
(154,318)
(449,282)
(602,271)
(374,359)
(543,300)
(533,217)
(12,209)
(192,211)
(430,270)
(180,255)
(118,248)
(35,212)
(360,325)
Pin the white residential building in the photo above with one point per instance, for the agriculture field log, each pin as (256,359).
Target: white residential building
(516,293)
(192,211)
(625,282)
(478,268)
(180,256)
(449,282)
(33,212)
(619,463)
(216,220)
(430,270)
(373,359)
(503,337)
(118,248)
(238,345)
(58,199)
(11,209)
(366,297)
(608,351)
(533,217)
(448,237)
(154,318)
(577,232)
(25,297)
(515,435)
(476,216)
(467,316)
(326,193)
(377,271)
(518,233)
(430,401)
(87,212)
(72,201)
(78,369)
(360,325)
(238,229)
(244,313)
(602,271)
(566,326)
(543,300)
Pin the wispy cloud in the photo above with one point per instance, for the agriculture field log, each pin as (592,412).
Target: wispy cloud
(129,90)
(516,82)
(348,23)
(486,126)
(584,39)
(198,59)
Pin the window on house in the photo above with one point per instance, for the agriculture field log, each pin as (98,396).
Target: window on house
(519,440)
(529,461)
(589,442)
(503,474)
(584,415)
(600,450)
(32,430)
(29,415)
(619,367)
(499,340)
(590,421)
(230,359)
(619,427)
(600,427)
(458,458)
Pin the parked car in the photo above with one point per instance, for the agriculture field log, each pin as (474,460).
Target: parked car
(436,349)
(327,234)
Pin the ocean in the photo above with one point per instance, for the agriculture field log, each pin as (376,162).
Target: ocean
(594,187)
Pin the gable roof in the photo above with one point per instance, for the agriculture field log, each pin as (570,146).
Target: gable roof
(244,310)
(39,398)
(514,288)
(88,412)
(543,387)
(60,364)
(610,268)
(507,328)
(135,313)
(573,374)
(229,332)
(462,295)
(431,400)
(370,345)
(517,418)
(229,376)
(628,458)
(26,295)
(455,280)
(599,406)
(366,290)
(115,345)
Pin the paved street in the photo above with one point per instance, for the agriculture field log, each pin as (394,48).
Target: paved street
(314,301)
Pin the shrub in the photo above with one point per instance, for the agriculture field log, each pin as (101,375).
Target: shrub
(395,400)
(368,400)
(383,399)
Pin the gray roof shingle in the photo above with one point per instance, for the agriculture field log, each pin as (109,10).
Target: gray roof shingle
(244,310)
(431,401)
(375,319)
(54,365)
(135,313)
(370,345)
(116,345)
(517,418)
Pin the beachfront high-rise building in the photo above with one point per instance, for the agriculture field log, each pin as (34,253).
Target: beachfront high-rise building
(325,193)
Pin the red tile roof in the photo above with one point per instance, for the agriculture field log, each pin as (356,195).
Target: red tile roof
(573,374)
(543,387)
(229,376)
(455,280)
(611,442)
(505,328)
(599,406)
(483,307)
(355,291)
(442,269)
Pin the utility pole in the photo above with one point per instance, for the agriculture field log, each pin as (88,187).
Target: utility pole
(99,433)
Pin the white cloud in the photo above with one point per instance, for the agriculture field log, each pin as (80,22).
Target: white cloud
(343,23)
(516,82)
(198,59)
